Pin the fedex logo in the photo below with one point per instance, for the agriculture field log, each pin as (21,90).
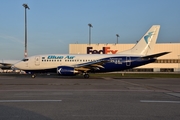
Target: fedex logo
(105,50)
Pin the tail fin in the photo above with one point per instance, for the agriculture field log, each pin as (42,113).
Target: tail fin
(146,44)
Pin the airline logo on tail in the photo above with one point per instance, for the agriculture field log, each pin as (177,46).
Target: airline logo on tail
(148,38)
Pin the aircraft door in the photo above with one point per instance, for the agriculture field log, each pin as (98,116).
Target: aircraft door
(26,64)
(128,61)
(37,60)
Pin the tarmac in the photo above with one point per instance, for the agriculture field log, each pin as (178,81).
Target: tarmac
(75,98)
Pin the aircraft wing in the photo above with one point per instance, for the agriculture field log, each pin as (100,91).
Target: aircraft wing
(6,64)
(94,65)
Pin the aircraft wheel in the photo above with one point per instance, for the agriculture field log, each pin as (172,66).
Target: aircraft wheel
(33,75)
(86,76)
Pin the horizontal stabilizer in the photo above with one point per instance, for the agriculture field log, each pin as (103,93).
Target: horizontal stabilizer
(156,55)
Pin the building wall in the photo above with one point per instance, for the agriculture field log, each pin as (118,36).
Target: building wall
(174,48)
(82,48)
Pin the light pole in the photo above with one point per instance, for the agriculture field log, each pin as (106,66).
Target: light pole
(26,7)
(90,25)
(178,63)
(117,37)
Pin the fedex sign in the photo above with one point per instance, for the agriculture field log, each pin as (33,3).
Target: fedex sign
(105,50)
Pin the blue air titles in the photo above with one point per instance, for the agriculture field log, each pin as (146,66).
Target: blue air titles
(69,57)
(54,57)
(60,57)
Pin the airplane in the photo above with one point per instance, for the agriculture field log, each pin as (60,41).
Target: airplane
(73,64)
(7,64)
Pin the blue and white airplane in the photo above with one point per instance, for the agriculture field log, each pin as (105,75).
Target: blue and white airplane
(73,64)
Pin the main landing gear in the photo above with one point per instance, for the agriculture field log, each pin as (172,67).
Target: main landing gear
(86,75)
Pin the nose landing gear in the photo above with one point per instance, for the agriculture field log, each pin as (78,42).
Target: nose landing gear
(33,75)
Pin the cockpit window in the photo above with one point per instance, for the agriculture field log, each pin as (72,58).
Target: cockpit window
(25,59)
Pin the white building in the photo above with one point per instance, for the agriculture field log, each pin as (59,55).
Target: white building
(167,63)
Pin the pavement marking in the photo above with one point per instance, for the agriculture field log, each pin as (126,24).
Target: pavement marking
(9,101)
(174,94)
(158,101)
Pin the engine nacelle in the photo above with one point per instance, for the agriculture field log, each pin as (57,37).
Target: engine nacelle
(66,70)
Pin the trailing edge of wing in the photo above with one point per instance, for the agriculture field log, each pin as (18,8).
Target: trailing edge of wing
(156,55)
(82,69)
(6,64)
(90,65)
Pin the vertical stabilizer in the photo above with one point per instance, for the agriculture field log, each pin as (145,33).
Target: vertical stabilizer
(145,46)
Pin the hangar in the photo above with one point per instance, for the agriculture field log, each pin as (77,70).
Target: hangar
(166,63)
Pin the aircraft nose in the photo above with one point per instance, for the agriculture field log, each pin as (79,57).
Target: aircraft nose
(17,66)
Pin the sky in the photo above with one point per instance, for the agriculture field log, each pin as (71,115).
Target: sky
(54,24)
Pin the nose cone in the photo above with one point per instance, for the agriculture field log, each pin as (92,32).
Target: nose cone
(17,65)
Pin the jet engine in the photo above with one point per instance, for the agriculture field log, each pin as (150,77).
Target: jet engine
(66,70)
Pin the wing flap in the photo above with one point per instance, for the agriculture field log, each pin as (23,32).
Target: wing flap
(97,65)
(90,65)
(82,69)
